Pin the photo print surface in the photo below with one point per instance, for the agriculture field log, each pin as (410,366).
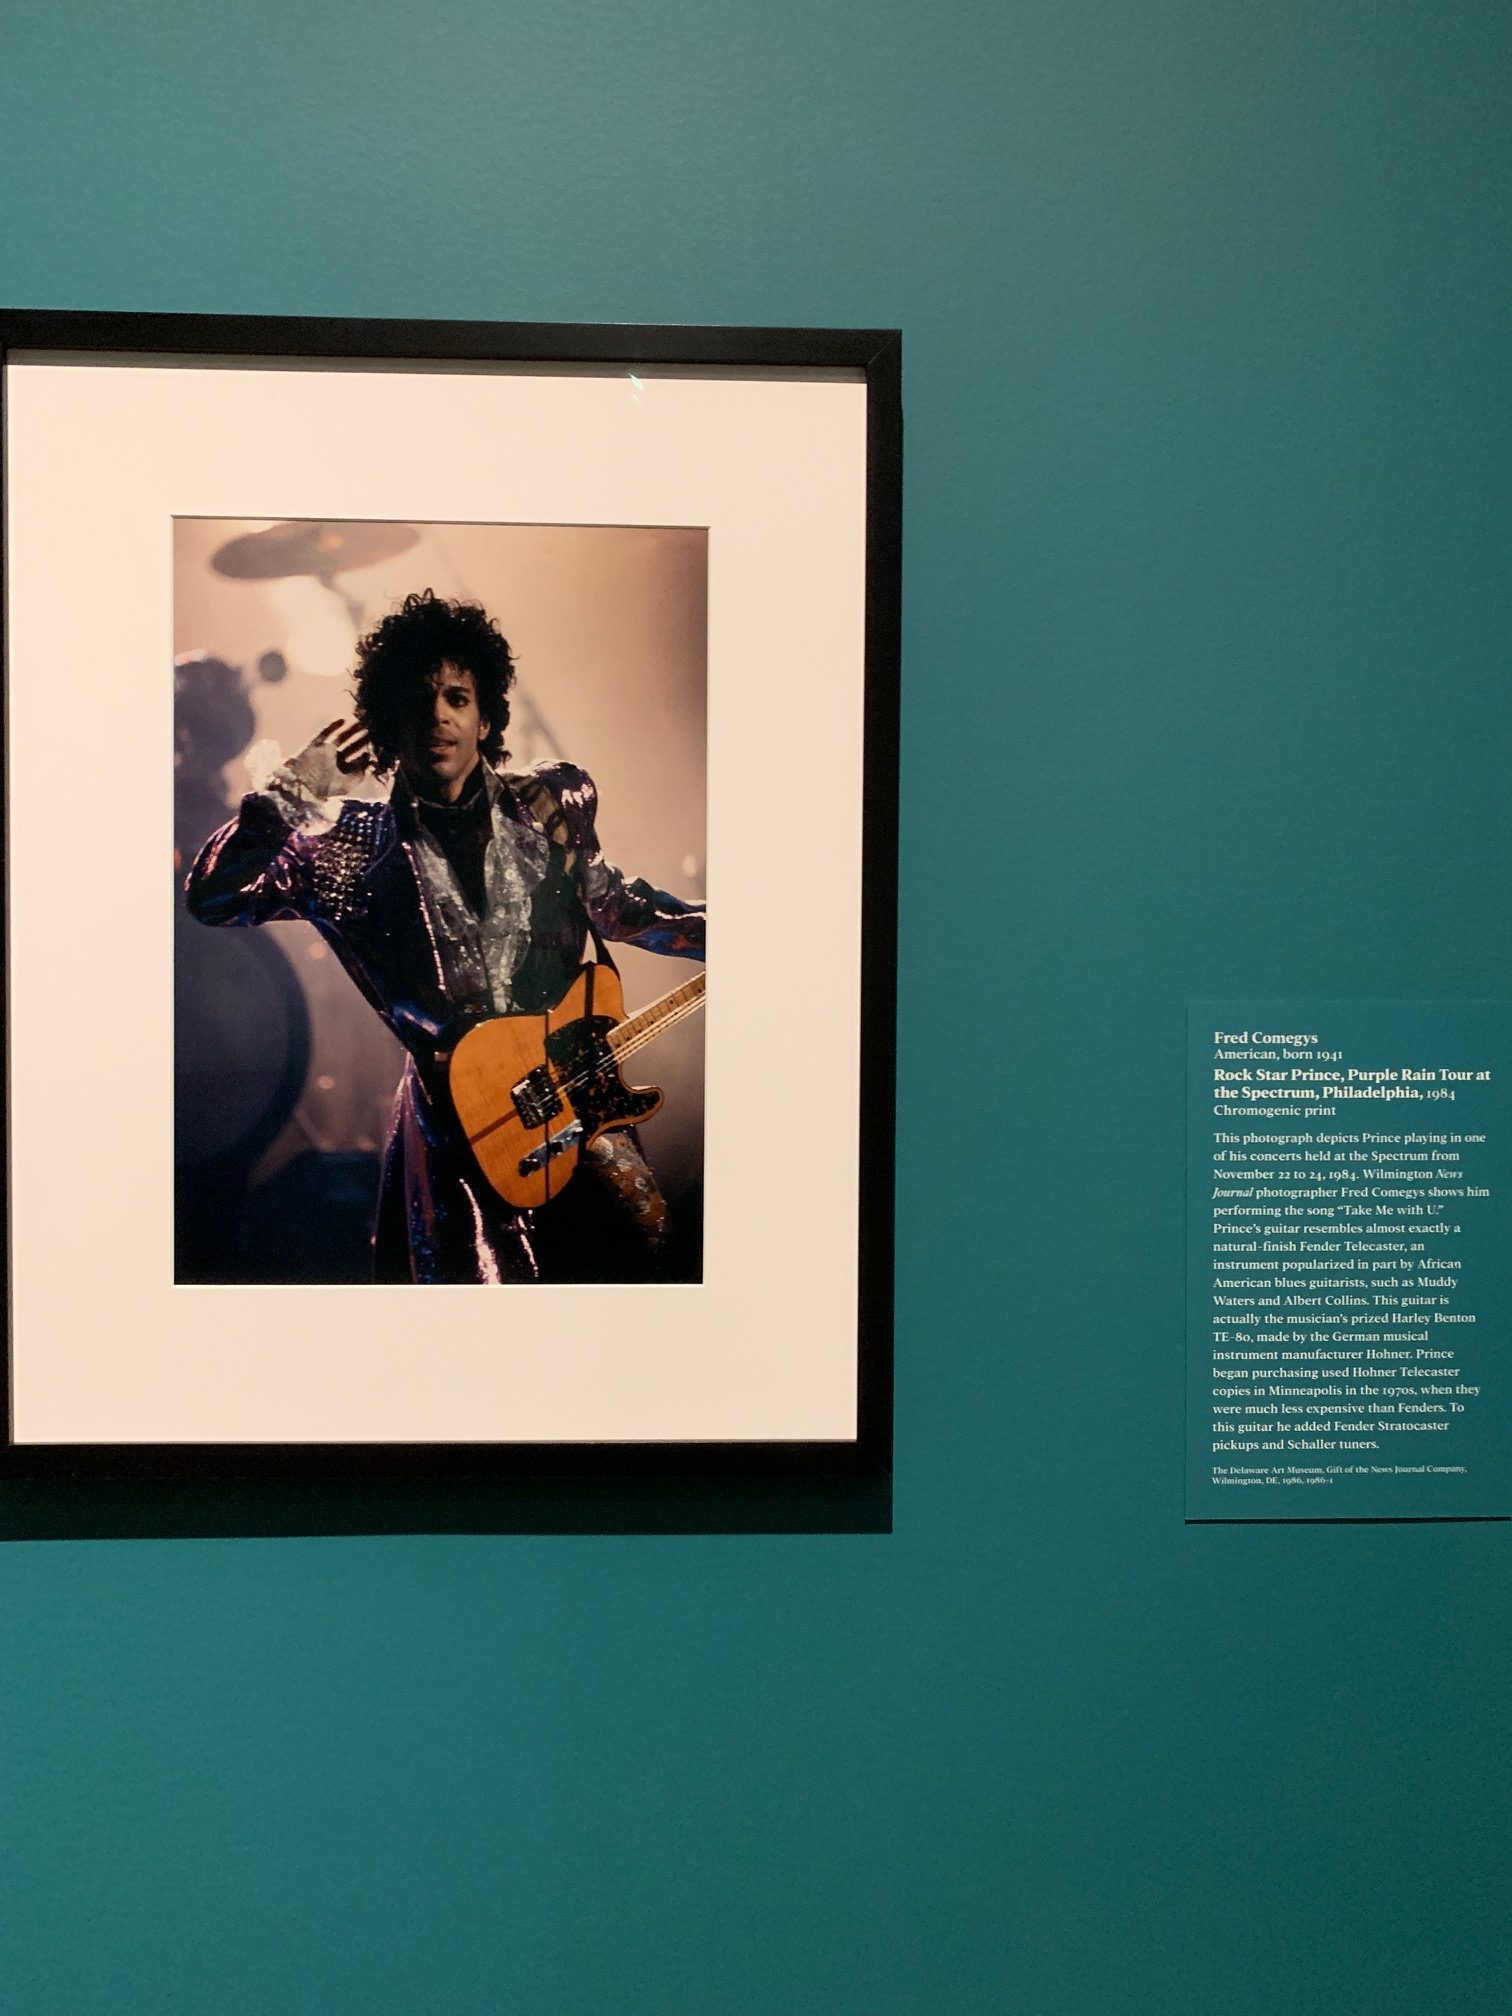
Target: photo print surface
(437,976)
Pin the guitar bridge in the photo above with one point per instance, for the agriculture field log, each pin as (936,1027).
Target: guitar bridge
(554,1145)
(536,1099)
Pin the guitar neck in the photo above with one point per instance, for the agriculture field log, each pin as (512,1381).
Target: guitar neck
(648,1023)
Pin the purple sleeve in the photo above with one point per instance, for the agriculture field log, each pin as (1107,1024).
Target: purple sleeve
(629,912)
(253,869)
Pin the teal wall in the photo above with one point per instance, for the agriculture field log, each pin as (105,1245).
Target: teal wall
(1205,660)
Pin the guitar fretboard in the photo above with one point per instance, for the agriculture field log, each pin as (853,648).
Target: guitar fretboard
(641,1028)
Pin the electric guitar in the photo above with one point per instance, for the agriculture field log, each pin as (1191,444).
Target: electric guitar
(534,1091)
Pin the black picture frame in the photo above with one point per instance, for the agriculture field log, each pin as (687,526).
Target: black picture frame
(142,1487)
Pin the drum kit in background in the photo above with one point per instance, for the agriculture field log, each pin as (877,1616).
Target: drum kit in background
(322,551)
(213,714)
(325,550)
(242,1030)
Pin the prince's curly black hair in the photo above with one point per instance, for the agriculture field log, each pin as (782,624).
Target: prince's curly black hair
(395,661)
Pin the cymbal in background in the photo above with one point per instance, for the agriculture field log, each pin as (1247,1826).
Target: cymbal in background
(310,547)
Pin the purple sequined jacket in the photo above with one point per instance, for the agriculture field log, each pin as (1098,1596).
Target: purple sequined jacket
(381,892)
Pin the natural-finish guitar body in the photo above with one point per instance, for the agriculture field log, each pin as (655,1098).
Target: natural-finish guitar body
(534,1091)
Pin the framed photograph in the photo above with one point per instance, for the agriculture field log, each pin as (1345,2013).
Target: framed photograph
(406,726)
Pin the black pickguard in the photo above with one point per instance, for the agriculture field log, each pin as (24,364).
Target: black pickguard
(586,1072)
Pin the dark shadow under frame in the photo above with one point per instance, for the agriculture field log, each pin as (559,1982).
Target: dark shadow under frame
(181,1490)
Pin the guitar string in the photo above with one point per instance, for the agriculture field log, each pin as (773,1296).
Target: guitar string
(644,1036)
(639,1042)
(692,999)
(611,1060)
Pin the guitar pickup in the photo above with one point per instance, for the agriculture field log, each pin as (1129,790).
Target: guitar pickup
(554,1145)
(535,1098)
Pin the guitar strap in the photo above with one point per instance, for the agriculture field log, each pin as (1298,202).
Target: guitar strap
(590,966)
(546,807)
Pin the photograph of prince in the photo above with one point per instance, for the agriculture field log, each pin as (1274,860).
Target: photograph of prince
(474,910)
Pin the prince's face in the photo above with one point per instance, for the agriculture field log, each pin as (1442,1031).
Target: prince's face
(442,743)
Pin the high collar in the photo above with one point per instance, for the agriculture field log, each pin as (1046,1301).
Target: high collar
(473,795)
